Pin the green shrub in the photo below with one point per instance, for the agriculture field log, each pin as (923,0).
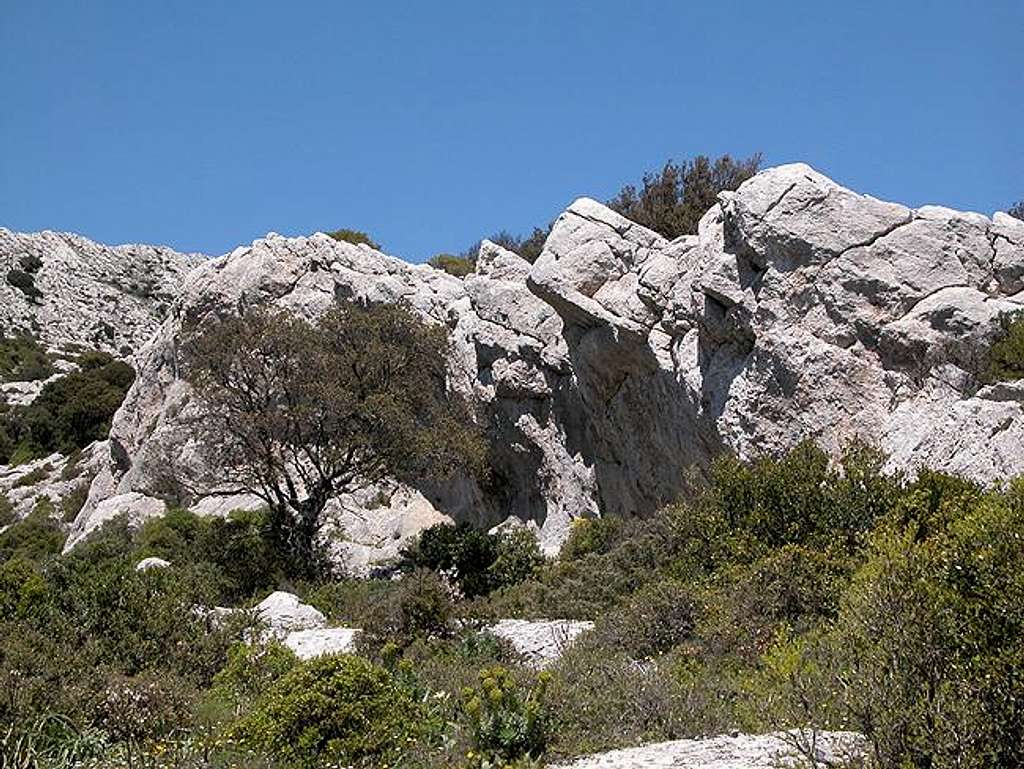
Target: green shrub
(590,535)
(338,708)
(926,648)
(601,699)
(35,538)
(462,553)
(349,601)
(70,412)
(251,670)
(655,619)
(6,511)
(38,475)
(673,200)
(354,236)
(26,284)
(507,724)
(419,607)
(1006,355)
(23,359)
(517,558)
(459,266)
(73,502)
(238,549)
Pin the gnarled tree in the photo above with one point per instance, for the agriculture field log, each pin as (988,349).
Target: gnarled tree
(297,412)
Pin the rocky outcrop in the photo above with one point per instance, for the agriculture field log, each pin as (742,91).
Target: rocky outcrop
(74,292)
(619,359)
(284,613)
(58,482)
(539,642)
(319,642)
(737,751)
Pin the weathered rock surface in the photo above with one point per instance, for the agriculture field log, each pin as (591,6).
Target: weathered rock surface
(284,613)
(540,642)
(55,478)
(101,297)
(619,359)
(742,751)
(307,644)
(151,563)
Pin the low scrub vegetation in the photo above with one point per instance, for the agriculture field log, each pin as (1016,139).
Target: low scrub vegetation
(70,413)
(23,359)
(782,593)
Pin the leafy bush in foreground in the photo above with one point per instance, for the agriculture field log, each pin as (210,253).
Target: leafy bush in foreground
(339,708)
(506,723)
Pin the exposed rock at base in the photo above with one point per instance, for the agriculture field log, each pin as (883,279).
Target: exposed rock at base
(742,751)
(539,642)
(619,360)
(307,644)
(109,298)
(283,613)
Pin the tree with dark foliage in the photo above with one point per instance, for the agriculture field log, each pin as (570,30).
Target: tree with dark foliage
(297,413)
(1017,210)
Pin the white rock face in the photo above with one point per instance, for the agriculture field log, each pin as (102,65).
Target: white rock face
(540,642)
(307,644)
(151,563)
(743,751)
(619,360)
(101,297)
(284,613)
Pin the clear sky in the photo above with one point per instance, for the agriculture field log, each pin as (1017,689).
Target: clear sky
(206,124)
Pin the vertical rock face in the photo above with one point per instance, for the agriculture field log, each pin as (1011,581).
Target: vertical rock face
(68,290)
(619,359)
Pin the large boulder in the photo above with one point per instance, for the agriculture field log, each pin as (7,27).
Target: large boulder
(618,360)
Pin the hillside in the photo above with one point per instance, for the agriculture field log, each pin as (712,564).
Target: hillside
(71,292)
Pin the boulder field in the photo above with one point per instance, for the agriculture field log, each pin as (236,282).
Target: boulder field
(619,360)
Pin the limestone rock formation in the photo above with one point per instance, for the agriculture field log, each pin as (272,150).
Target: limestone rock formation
(284,613)
(151,563)
(54,479)
(318,642)
(738,751)
(540,642)
(619,360)
(69,291)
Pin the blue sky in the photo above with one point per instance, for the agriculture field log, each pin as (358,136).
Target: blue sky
(202,125)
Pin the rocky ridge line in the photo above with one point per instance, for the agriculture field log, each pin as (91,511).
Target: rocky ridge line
(619,360)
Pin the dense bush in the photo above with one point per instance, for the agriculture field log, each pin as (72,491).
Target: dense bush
(475,561)
(420,607)
(783,592)
(354,236)
(1006,355)
(338,708)
(69,413)
(25,282)
(23,359)
(459,266)
(673,200)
